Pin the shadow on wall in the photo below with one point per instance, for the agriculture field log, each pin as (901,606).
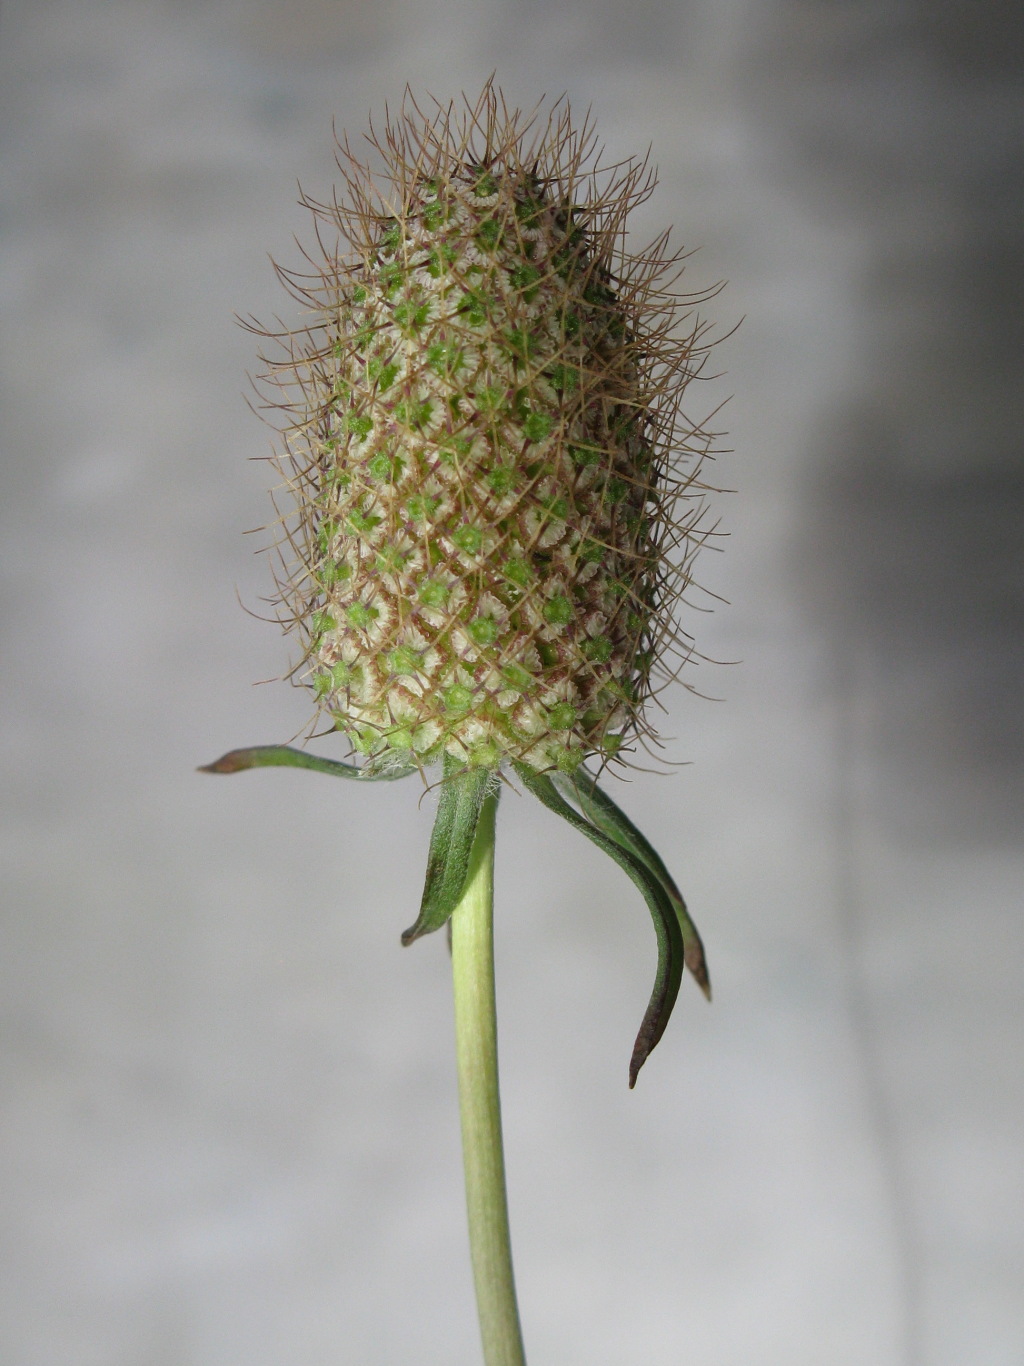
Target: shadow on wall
(910,125)
(923,586)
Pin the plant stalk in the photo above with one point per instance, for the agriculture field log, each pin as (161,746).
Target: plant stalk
(476,1046)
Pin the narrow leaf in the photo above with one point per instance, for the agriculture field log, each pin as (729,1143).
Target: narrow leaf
(283,756)
(451,842)
(666,924)
(581,787)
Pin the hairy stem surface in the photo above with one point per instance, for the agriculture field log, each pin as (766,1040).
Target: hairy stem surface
(479,1105)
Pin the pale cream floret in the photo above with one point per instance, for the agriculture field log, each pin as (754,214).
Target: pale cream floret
(376,632)
(349,650)
(435,617)
(415,639)
(458,592)
(425,736)
(538,756)
(523,651)
(489,606)
(472,733)
(560,690)
(529,720)
(503,507)
(402,703)
(431,664)
(417,560)
(586,571)
(472,255)
(365,689)
(542,528)
(472,356)
(328,652)
(431,486)
(410,688)
(455,747)
(463,646)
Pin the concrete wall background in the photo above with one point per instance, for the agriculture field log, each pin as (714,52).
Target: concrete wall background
(229,1128)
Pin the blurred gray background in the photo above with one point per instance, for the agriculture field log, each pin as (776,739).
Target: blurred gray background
(229,1125)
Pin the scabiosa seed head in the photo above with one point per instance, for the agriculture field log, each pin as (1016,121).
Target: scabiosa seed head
(495,494)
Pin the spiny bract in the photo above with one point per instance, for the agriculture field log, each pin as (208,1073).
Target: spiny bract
(495,495)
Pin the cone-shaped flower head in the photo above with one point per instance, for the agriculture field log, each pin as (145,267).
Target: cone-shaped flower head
(494,487)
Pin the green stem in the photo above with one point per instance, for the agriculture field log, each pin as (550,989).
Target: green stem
(476,1045)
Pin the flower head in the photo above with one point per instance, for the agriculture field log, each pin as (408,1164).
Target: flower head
(495,499)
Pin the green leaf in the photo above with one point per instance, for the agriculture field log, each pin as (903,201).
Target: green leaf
(666,924)
(451,842)
(581,787)
(283,756)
